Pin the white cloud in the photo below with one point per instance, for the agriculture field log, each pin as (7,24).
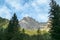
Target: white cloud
(42,17)
(40,5)
(25,15)
(5,12)
(32,8)
(42,1)
(15,4)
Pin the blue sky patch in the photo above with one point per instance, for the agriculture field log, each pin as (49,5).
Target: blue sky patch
(37,9)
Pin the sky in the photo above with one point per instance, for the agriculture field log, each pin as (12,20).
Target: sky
(37,9)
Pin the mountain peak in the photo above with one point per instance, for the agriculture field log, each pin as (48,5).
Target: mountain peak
(29,23)
(28,18)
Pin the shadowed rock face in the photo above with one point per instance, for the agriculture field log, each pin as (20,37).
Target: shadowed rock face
(30,23)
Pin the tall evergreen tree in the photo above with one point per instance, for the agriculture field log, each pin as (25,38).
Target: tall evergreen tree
(13,28)
(55,20)
(13,24)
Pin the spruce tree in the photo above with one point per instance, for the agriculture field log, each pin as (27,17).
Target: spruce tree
(55,20)
(13,24)
(13,28)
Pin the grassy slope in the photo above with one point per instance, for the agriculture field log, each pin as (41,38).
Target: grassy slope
(4,24)
(34,32)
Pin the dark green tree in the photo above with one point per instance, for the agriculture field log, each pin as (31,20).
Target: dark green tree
(13,28)
(38,31)
(39,36)
(23,30)
(55,20)
(1,33)
(13,24)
